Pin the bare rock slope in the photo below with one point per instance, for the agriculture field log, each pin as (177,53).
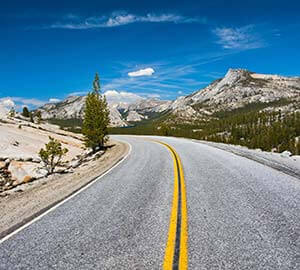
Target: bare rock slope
(237,89)
(73,107)
(19,146)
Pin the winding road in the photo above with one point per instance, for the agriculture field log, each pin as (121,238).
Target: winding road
(170,204)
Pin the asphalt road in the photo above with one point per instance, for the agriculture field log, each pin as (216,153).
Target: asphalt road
(241,215)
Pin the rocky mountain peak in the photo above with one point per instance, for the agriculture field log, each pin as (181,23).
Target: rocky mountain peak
(238,88)
(232,77)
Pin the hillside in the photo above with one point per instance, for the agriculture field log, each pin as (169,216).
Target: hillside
(239,88)
(73,108)
(20,143)
(121,114)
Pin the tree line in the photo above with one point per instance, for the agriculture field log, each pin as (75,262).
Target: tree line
(269,131)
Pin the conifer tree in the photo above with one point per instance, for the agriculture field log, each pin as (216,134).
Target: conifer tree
(96,118)
(96,84)
(25,112)
(39,117)
(31,117)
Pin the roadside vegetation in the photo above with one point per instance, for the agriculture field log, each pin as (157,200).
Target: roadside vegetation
(96,118)
(94,129)
(52,154)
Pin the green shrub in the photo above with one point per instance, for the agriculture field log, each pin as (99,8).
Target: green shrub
(52,154)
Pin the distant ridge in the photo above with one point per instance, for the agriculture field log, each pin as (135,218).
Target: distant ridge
(237,89)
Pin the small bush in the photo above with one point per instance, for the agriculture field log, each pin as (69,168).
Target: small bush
(52,155)
(12,113)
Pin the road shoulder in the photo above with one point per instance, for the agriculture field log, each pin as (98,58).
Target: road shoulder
(277,161)
(22,205)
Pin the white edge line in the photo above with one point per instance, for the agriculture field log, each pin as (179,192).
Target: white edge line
(67,199)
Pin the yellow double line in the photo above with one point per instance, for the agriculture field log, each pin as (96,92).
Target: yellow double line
(176,252)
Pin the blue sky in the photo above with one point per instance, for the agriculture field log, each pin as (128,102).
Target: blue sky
(164,49)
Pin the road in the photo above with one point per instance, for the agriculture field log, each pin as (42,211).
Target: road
(240,215)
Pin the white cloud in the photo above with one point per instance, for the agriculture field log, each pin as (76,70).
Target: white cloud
(123,18)
(7,103)
(142,72)
(242,38)
(119,20)
(20,102)
(28,101)
(113,96)
(180,92)
(165,18)
(78,93)
(54,100)
(152,95)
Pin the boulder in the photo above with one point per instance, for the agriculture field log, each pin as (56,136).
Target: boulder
(27,159)
(41,172)
(37,160)
(2,165)
(60,169)
(70,170)
(94,156)
(75,163)
(87,152)
(286,154)
(23,172)
(7,161)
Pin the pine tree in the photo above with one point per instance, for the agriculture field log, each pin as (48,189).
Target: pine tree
(39,117)
(25,112)
(96,118)
(31,117)
(96,84)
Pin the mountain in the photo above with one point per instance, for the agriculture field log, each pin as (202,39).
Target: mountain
(145,109)
(239,88)
(149,105)
(120,113)
(73,108)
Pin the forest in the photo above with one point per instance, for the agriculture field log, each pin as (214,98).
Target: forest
(269,131)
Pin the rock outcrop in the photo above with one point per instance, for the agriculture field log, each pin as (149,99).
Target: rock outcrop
(24,172)
(19,146)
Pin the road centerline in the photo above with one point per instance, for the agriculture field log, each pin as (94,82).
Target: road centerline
(176,252)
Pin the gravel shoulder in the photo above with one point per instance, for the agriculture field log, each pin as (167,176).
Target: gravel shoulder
(287,164)
(25,202)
